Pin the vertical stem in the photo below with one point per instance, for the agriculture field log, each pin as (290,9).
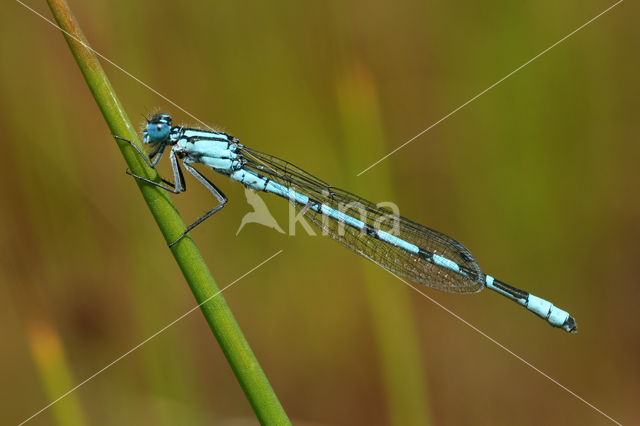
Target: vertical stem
(236,349)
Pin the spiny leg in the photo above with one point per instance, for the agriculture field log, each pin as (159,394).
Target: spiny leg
(159,150)
(222,199)
(178,187)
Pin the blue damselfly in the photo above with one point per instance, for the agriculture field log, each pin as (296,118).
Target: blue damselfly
(403,247)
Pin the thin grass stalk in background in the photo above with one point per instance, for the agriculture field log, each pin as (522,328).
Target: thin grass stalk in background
(46,346)
(236,349)
(391,311)
(48,353)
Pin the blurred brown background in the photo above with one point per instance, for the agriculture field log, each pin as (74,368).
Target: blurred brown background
(538,178)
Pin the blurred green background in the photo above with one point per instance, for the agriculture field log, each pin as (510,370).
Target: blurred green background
(538,178)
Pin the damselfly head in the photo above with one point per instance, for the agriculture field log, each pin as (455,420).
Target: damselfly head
(158,128)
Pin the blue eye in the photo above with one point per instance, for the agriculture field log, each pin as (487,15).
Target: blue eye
(158,128)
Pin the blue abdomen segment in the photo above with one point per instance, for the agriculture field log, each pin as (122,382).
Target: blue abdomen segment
(338,215)
(543,308)
(398,242)
(446,263)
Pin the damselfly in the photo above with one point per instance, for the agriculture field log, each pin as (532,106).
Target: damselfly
(399,245)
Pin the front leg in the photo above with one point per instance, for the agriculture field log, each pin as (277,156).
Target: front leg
(178,187)
(147,159)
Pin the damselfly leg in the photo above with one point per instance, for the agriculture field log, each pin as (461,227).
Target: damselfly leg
(180,184)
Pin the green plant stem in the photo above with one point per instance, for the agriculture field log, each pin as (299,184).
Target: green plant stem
(236,349)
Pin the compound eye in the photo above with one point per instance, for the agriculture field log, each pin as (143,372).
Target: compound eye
(158,128)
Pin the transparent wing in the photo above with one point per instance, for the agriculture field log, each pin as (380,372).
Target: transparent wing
(395,259)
